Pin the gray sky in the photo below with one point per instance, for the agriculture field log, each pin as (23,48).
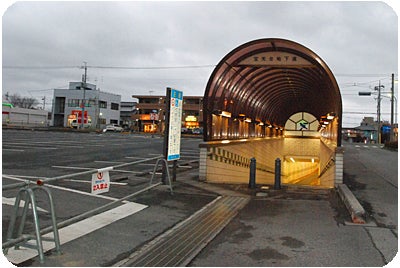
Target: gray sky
(358,41)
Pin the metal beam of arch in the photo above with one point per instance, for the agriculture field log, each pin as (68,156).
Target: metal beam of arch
(268,80)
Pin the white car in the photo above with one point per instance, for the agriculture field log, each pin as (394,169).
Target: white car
(113,127)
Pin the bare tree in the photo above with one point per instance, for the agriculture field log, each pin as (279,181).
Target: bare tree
(23,102)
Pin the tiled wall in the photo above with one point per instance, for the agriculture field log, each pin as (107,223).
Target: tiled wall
(230,162)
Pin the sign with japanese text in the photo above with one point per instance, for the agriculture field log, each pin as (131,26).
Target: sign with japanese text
(101,182)
(276,58)
(175,124)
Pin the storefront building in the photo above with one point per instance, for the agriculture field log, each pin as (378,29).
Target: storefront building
(150,113)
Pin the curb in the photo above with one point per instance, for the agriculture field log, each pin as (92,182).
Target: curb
(354,207)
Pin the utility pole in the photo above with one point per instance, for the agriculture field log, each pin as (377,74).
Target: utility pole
(392,111)
(378,88)
(83,86)
(44,102)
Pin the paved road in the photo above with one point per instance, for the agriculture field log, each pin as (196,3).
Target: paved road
(372,174)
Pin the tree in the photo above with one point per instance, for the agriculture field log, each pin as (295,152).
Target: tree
(22,102)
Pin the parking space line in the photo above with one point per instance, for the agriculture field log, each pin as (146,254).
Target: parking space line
(111,162)
(127,171)
(27,146)
(76,230)
(10,201)
(69,167)
(13,150)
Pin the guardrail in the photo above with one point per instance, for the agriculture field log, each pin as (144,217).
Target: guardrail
(28,189)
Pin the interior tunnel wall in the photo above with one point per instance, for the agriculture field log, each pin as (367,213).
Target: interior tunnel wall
(230,162)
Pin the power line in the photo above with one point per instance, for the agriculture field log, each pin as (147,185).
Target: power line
(152,67)
(40,67)
(112,67)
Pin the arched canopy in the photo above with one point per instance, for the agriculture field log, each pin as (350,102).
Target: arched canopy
(268,80)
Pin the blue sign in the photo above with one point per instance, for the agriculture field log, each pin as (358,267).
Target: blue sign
(175,123)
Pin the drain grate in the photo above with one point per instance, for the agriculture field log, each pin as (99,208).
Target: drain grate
(180,246)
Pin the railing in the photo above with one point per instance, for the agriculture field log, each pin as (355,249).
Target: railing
(28,189)
(330,163)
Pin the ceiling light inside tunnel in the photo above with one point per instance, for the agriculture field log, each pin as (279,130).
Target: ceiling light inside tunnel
(330,116)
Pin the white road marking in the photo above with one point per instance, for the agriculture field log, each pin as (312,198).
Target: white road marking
(69,167)
(127,171)
(27,146)
(14,150)
(77,230)
(111,162)
(11,202)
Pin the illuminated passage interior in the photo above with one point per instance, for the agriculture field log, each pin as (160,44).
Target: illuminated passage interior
(273,88)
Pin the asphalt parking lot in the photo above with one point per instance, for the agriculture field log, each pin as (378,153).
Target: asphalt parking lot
(33,155)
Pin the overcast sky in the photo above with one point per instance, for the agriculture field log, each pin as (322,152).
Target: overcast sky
(44,44)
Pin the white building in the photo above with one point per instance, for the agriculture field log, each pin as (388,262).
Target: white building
(14,116)
(101,107)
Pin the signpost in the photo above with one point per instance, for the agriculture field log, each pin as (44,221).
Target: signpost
(173,125)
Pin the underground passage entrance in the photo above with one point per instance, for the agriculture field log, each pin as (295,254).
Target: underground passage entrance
(267,99)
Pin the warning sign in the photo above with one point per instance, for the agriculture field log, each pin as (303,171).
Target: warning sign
(101,181)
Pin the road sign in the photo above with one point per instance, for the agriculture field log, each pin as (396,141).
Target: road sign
(175,123)
(101,181)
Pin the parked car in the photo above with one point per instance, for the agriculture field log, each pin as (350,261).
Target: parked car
(186,130)
(197,130)
(113,127)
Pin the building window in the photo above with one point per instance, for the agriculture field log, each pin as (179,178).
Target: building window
(114,106)
(73,102)
(102,104)
(91,103)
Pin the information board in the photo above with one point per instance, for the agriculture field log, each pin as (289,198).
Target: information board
(175,122)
